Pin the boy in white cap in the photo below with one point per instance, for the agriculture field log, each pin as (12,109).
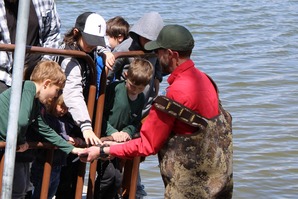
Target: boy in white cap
(86,35)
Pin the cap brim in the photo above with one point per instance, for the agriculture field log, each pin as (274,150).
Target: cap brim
(93,40)
(152,45)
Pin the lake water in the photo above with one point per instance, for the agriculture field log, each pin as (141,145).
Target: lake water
(250,48)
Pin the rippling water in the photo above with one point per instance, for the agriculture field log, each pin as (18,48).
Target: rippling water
(250,48)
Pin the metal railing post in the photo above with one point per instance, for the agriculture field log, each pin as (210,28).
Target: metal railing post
(47,174)
(17,76)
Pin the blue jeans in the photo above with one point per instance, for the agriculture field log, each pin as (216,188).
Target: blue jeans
(21,180)
(36,178)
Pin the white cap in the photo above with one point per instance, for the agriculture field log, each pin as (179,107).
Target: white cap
(92,27)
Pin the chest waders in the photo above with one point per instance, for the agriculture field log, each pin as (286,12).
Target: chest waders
(198,166)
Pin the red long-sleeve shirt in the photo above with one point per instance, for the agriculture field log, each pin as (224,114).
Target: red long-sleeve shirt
(188,86)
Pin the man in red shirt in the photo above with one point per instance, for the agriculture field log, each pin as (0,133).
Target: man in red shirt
(195,162)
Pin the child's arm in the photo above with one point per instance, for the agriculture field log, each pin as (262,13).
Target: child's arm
(110,60)
(51,136)
(74,100)
(107,55)
(117,68)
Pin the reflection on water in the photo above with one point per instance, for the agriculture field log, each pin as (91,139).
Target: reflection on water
(250,49)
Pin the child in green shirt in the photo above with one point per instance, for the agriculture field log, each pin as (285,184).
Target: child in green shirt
(46,81)
(124,102)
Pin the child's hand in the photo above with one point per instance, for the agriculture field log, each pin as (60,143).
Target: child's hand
(76,150)
(110,60)
(91,138)
(121,136)
(78,142)
(23,147)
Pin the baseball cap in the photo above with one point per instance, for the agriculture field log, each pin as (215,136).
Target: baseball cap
(174,37)
(92,27)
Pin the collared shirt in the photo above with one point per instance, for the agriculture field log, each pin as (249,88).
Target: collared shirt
(49,34)
(188,86)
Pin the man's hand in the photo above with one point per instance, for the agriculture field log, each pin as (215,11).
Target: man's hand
(89,154)
(93,153)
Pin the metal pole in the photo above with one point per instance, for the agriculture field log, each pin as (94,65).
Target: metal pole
(17,76)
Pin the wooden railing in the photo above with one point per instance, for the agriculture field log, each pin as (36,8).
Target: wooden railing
(131,167)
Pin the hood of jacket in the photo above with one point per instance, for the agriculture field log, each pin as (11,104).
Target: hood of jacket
(148,26)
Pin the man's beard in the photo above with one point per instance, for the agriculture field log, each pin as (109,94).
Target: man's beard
(165,66)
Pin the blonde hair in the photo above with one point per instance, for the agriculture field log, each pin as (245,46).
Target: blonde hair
(140,71)
(48,70)
(52,104)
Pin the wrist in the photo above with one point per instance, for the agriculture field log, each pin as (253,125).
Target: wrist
(86,126)
(102,153)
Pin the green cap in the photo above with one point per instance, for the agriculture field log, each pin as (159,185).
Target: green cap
(174,37)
